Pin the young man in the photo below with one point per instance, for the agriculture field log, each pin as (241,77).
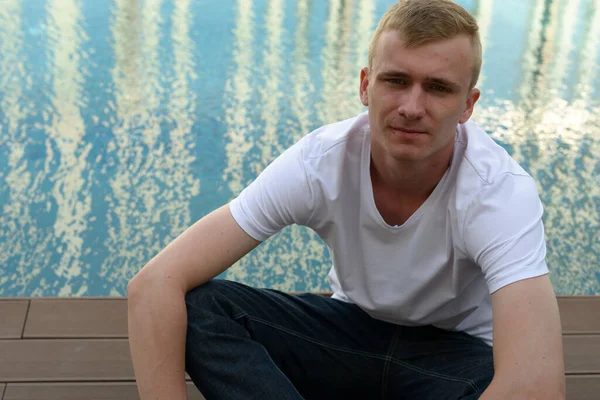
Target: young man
(440,286)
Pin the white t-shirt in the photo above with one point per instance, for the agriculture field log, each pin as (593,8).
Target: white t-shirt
(479,230)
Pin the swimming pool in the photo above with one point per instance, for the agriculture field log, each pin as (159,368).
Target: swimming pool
(122,122)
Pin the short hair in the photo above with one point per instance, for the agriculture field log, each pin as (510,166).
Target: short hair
(423,21)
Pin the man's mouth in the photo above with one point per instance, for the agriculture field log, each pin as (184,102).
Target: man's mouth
(410,131)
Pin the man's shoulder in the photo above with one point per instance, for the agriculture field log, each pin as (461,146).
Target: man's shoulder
(335,136)
(483,159)
(493,196)
(484,169)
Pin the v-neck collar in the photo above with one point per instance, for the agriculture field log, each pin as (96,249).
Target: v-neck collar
(369,197)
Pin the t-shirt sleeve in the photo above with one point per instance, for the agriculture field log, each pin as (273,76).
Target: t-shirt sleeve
(503,231)
(280,196)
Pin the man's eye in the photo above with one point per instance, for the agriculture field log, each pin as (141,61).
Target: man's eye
(397,81)
(440,88)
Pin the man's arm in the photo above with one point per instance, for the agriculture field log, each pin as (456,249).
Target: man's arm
(528,353)
(157,316)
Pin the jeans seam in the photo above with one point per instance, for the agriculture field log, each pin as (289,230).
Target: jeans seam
(435,374)
(386,365)
(364,353)
(309,339)
(239,315)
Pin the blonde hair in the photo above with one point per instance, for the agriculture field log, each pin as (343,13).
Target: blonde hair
(423,21)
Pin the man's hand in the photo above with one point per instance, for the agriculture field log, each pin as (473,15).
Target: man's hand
(528,353)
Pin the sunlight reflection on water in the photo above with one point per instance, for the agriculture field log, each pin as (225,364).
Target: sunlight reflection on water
(123,122)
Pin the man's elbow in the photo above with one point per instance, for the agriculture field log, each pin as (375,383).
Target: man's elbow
(137,286)
(131,287)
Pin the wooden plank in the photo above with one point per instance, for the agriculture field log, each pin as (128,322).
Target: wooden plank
(65,360)
(12,315)
(109,359)
(579,387)
(107,317)
(580,314)
(582,354)
(583,387)
(78,391)
(77,318)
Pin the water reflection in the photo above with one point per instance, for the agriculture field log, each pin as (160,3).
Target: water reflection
(180,183)
(569,19)
(535,59)
(153,185)
(126,77)
(65,134)
(588,81)
(23,244)
(268,145)
(291,66)
(483,15)
(365,27)
(337,90)
(238,91)
(135,77)
(303,86)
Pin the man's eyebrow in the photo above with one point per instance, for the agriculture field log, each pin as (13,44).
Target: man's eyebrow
(392,74)
(430,79)
(443,82)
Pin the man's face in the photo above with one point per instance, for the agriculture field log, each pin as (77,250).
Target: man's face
(417,96)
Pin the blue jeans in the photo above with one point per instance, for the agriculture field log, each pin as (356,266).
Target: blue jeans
(246,343)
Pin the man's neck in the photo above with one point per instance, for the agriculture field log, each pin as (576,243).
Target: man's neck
(408,178)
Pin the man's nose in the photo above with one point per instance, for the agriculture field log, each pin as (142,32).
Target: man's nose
(412,103)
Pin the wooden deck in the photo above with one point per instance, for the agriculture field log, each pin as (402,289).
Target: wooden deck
(77,348)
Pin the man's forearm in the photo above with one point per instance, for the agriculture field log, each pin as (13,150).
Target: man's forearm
(157,322)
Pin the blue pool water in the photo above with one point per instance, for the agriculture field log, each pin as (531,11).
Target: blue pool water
(122,122)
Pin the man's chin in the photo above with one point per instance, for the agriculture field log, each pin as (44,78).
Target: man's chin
(407,155)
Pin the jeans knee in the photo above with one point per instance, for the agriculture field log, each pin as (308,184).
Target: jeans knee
(214,297)
(202,295)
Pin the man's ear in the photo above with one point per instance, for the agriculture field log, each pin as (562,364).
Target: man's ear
(364,84)
(470,105)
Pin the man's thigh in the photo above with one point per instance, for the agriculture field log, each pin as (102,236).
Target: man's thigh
(326,347)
